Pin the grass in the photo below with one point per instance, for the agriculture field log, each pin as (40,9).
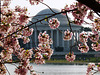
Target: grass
(64,61)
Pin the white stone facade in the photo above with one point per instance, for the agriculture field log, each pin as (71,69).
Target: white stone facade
(55,34)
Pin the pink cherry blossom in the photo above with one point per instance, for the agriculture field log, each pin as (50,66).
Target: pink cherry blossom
(48,53)
(80,13)
(26,54)
(43,46)
(50,41)
(70,57)
(8,15)
(90,15)
(19,9)
(6,2)
(10,42)
(26,40)
(39,61)
(39,58)
(4,27)
(90,68)
(94,37)
(65,8)
(95,31)
(27,32)
(6,55)
(54,23)
(21,70)
(23,19)
(13,20)
(2,69)
(95,46)
(83,37)
(43,37)
(97,27)
(78,21)
(68,35)
(26,63)
(96,24)
(45,50)
(83,48)
(32,2)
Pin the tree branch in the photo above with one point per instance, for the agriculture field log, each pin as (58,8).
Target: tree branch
(37,22)
(95,6)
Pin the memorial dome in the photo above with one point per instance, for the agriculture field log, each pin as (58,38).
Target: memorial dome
(47,12)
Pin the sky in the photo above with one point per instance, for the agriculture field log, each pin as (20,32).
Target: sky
(34,9)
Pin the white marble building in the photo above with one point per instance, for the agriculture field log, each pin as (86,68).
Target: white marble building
(59,45)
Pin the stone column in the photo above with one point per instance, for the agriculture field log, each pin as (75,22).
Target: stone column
(52,37)
(68,45)
(26,46)
(36,38)
(76,34)
(57,38)
(31,41)
(63,41)
(62,38)
(73,39)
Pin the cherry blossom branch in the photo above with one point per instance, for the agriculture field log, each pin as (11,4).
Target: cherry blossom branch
(95,72)
(36,71)
(47,25)
(13,64)
(39,15)
(71,31)
(69,23)
(37,22)
(91,4)
(85,22)
(47,6)
(33,41)
(98,14)
(7,69)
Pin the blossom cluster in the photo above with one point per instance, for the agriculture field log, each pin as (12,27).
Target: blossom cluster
(43,50)
(54,23)
(13,26)
(24,57)
(93,36)
(83,37)
(68,35)
(70,57)
(32,2)
(2,69)
(79,13)
(92,67)
(11,29)
(83,48)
